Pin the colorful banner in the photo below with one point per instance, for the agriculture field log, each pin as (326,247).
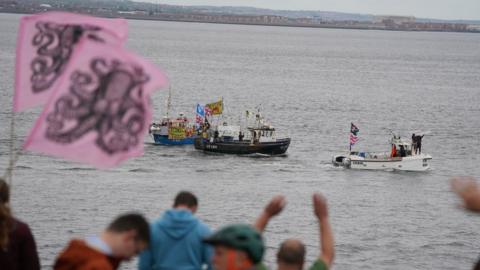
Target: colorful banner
(215,107)
(45,45)
(176,133)
(100,111)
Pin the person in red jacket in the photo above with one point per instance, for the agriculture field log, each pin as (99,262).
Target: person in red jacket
(17,245)
(124,238)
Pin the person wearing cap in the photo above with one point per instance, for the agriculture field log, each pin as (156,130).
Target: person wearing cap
(291,255)
(237,247)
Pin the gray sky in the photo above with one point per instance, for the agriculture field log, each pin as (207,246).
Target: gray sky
(438,9)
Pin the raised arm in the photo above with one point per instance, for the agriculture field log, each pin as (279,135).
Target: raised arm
(326,234)
(468,190)
(273,208)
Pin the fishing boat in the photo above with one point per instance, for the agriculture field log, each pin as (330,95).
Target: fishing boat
(402,157)
(259,139)
(172,130)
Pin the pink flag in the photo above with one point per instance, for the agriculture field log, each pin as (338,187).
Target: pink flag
(45,44)
(100,110)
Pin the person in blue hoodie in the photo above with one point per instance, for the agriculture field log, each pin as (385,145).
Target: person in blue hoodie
(177,239)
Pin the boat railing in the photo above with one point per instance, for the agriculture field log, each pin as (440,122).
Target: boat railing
(372,155)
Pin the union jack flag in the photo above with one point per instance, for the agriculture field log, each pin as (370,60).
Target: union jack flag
(208,111)
(199,119)
(353,134)
(354,130)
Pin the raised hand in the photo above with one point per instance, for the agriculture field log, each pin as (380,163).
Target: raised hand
(468,190)
(320,209)
(320,206)
(275,206)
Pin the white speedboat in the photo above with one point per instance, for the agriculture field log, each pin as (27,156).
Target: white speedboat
(402,157)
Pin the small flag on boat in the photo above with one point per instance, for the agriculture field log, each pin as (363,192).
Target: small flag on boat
(100,111)
(198,119)
(215,107)
(353,134)
(45,45)
(208,111)
(200,110)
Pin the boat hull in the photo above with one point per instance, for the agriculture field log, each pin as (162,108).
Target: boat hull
(164,140)
(410,163)
(278,147)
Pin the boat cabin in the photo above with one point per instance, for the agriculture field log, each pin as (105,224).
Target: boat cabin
(228,133)
(262,134)
(400,148)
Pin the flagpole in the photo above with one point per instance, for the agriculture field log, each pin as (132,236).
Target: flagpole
(349,139)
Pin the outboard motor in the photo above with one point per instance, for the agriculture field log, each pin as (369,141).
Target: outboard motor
(338,161)
(346,162)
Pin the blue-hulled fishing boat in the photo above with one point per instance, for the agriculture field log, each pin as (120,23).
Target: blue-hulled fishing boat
(173,130)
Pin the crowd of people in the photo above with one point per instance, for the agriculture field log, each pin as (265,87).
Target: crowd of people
(180,240)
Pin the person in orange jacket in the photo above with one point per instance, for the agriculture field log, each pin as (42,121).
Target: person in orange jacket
(124,238)
(394,150)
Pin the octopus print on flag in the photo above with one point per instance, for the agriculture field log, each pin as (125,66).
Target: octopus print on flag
(106,100)
(100,112)
(45,45)
(53,44)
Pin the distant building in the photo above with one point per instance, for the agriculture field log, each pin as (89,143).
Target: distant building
(473,27)
(394,19)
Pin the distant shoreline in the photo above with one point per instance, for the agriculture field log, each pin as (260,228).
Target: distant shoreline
(218,19)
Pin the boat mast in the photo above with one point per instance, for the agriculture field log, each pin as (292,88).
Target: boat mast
(169,101)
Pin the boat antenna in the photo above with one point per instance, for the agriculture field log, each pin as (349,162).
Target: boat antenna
(223,111)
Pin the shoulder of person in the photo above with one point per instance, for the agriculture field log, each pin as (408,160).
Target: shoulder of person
(319,264)
(21,228)
(97,264)
(260,266)
(203,228)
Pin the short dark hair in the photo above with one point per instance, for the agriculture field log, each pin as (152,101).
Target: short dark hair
(132,221)
(291,252)
(185,198)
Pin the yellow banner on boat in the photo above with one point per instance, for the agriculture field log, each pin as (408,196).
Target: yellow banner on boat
(176,133)
(216,107)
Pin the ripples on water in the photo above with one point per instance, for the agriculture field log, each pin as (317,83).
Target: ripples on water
(310,83)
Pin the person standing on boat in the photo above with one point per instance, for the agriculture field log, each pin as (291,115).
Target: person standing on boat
(419,143)
(414,144)
(394,151)
(177,238)
(403,153)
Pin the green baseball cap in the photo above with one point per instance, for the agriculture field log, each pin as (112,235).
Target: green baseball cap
(241,237)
